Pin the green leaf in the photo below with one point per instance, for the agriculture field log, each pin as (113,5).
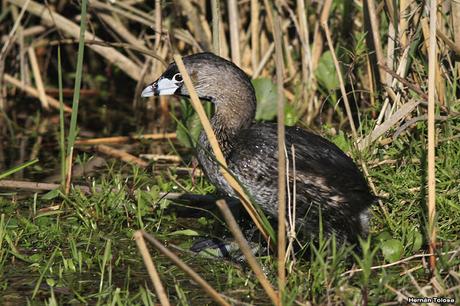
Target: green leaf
(392,249)
(414,240)
(341,141)
(326,73)
(187,232)
(290,115)
(383,236)
(52,194)
(188,133)
(267,97)
(51,282)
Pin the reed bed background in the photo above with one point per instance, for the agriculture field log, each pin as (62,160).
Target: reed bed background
(378,78)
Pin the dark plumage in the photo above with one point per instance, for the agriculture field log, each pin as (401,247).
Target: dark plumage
(326,178)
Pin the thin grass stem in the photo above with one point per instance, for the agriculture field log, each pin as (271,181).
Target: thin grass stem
(246,250)
(281,155)
(432,60)
(184,267)
(61,121)
(150,265)
(76,97)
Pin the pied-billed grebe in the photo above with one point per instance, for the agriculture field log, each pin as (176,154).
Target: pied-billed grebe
(328,183)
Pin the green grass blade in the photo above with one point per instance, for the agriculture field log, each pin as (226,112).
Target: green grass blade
(48,264)
(17,168)
(78,75)
(61,120)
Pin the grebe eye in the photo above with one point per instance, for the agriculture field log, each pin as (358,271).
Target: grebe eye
(177,77)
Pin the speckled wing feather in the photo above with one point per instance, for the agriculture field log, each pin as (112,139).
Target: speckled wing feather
(326,177)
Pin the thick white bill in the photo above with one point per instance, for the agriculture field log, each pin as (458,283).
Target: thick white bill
(166,87)
(148,92)
(162,87)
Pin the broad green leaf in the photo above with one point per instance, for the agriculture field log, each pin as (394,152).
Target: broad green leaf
(267,97)
(326,73)
(290,115)
(392,249)
(188,133)
(383,236)
(341,141)
(414,240)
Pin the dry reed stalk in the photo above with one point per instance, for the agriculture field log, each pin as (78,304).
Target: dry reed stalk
(372,93)
(439,83)
(71,29)
(195,24)
(205,26)
(182,35)
(224,49)
(144,19)
(117,26)
(376,36)
(390,50)
(267,56)
(305,48)
(157,157)
(4,52)
(233,21)
(452,45)
(318,40)
(34,92)
(413,120)
(215,147)
(341,82)
(124,139)
(141,50)
(184,267)
(23,69)
(309,111)
(404,6)
(289,61)
(158,23)
(37,77)
(124,156)
(246,250)
(394,79)
(12,33)
(33,31)
(379,130)
(153,273)
(281,156)
(255,46)
(406,83)
(398,262)
(288,45)
(14,184)
(432,60)
(127,7)
(246,54)
(215,7)
(269,12)
(456,21)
